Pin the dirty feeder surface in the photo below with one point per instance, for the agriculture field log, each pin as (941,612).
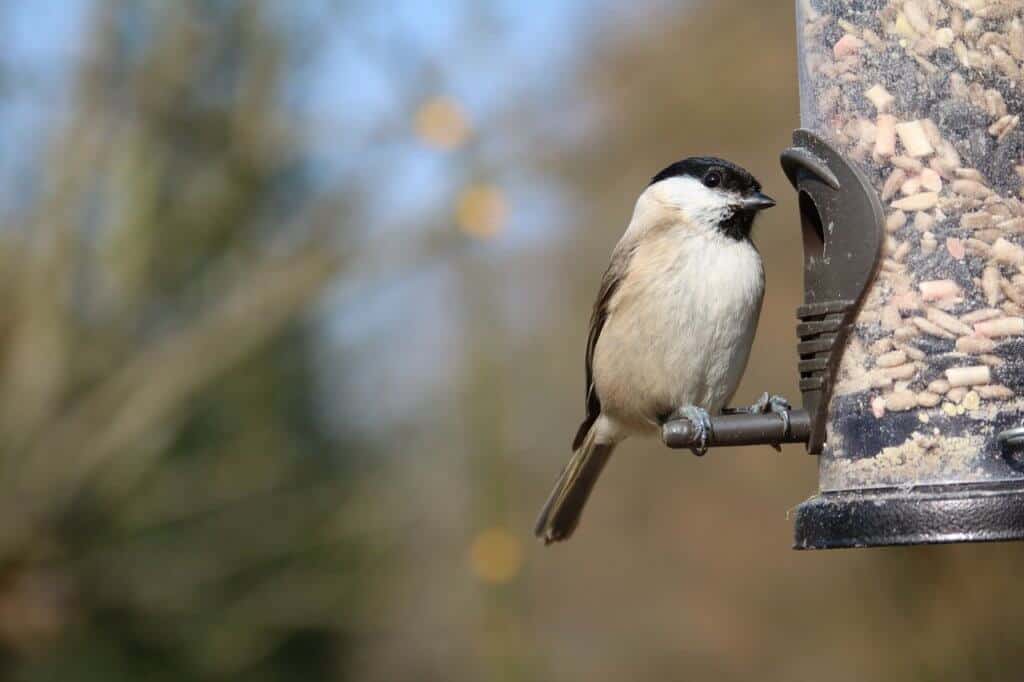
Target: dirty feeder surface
(926,96)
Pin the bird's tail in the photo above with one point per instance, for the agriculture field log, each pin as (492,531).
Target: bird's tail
(561,513)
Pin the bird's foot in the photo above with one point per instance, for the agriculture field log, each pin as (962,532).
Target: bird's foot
(701,421)
(770,404)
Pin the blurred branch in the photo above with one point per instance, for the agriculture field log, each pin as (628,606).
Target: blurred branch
(41,332)
(154,386)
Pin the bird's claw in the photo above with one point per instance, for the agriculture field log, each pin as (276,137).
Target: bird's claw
(773,404)
(769,403)
(701,421)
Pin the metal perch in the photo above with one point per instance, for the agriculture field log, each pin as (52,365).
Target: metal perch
(741,429)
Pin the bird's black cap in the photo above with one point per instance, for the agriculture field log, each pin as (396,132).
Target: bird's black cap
(727,176)
(734,178)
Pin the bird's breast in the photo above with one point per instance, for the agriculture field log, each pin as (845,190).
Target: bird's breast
(680,326)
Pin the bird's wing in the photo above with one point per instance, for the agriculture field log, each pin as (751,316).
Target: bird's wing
(609,284)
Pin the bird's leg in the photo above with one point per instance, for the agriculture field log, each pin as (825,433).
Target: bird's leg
(701,421)
(767,404)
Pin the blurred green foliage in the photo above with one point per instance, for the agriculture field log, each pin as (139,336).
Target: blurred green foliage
(172,506)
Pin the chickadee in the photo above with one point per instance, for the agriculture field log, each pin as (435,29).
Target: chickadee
(673,323)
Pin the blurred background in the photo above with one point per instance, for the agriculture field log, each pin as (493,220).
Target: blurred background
(295,297)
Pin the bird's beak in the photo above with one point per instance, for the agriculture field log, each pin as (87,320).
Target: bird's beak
(756,202)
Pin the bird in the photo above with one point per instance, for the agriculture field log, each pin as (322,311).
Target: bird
(673,323)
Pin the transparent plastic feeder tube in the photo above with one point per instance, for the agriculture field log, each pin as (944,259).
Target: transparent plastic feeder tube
(926,96)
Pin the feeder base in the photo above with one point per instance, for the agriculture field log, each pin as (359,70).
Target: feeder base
(923,515)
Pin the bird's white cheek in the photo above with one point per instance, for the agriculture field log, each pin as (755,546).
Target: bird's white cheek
(699,205)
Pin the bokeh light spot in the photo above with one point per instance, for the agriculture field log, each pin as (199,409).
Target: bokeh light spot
(441,124)
(496,556)
(481,211)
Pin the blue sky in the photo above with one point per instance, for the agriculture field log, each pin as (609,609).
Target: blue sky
(489,55)
(401,330)
(40,40)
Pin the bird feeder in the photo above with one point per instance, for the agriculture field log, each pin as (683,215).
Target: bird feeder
(909,170)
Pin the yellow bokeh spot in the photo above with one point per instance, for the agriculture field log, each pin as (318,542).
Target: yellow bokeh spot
(496,556)
(481,211)
(440,123)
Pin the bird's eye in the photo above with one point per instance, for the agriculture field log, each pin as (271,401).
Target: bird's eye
(713,179)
